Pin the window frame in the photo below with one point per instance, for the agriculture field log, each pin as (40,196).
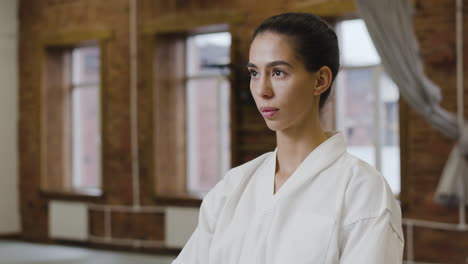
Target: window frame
(218,78)
(377,71)
(172,189)
(61,45)
(335,11)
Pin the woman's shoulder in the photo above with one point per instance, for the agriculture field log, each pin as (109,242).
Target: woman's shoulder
(368,193)
(363,173)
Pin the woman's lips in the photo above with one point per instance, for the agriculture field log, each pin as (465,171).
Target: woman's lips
(268,112)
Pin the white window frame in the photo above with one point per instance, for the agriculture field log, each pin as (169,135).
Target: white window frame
(378,133)
(76,173)
(225,134)
(377,136)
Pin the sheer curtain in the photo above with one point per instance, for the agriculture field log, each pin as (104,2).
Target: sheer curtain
(390,25)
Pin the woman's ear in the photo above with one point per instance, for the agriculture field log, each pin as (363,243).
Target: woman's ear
(324,78)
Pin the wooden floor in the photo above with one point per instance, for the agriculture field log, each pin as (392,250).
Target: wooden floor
(13,252)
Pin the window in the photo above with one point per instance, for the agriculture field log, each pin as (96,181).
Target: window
(85,118)
(208,92)
(71,120)
(367,103)
(192,111)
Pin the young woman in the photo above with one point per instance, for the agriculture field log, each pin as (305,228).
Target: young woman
(309,201)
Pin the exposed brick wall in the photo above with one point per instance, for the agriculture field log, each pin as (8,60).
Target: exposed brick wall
(39,18)
(143,226)
(426,149)
(97,223)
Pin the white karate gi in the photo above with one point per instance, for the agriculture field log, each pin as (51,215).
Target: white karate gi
(334,208)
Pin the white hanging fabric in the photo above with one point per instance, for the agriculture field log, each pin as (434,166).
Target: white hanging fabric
(390,26)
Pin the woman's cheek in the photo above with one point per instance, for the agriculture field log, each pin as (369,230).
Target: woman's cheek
(284,91)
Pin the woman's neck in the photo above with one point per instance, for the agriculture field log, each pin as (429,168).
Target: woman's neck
(295,144)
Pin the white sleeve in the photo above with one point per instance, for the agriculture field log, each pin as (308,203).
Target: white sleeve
(189,252)
(371,240)
(197,248)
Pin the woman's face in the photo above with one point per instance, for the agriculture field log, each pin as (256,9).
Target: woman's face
(283,89)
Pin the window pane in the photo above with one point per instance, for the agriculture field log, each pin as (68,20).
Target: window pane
(85,65)
(356,45)
(390,132)
(85,138)
(207,132)
(356,116)
(86,170)
(207,53)
(359,84)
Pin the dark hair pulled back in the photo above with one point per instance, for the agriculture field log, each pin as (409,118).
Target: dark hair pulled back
(314,40)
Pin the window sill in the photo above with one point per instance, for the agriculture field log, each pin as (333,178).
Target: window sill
(73,195)
(179,199)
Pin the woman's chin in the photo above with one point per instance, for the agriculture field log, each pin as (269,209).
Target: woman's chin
(274,126)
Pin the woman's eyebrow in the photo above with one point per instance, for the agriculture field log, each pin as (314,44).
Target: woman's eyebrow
(250,65)
(277,63)
(270,64)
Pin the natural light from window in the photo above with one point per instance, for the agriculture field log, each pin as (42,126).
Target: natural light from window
(85,119)
(208,110)
(367,103)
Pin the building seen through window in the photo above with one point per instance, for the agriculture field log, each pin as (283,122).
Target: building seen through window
(367,103)
(85,118)
(208,109)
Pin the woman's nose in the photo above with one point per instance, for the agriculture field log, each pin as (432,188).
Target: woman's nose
(265,89)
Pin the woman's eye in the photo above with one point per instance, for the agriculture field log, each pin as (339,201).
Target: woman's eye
(278,73)
(253,73)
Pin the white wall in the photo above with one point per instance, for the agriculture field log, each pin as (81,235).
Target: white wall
(180,224)
(68,220)
(9,207)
